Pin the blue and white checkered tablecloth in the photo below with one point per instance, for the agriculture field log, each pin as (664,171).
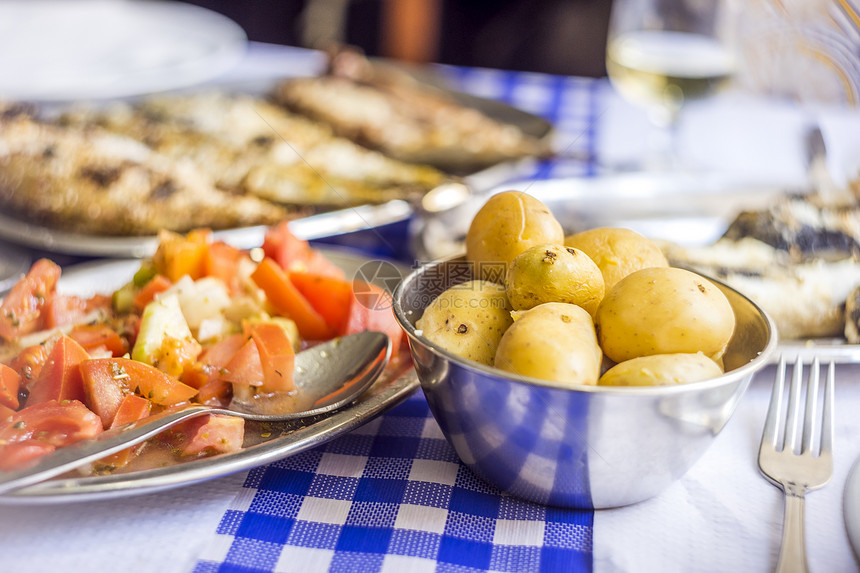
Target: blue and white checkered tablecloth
(572,105)
(392,496)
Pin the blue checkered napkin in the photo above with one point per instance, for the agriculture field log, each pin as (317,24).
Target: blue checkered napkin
(392,497)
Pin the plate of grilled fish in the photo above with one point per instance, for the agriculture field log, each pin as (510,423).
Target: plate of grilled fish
(104,178)
(414,118)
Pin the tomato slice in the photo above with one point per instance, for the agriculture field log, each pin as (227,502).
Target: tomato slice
(149,381)
(60,378)
(211,434)
(294,254)
(94,337)
(41,428)
(20,311)
(220,353)
(330,297)
(215,392)
(277,358)
(56,423)
(18,455)
(157,284)
(10,385)
(287,300)
(222,262)
(245,367)
(99,302)
(131,409)
(371,309)
(6,414)
(104,394)
(61,309)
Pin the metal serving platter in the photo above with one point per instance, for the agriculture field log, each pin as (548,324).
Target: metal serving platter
(692,208)
(313,227)
(317,226)
(264,444)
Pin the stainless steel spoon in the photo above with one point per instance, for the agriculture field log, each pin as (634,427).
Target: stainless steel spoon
(327,377)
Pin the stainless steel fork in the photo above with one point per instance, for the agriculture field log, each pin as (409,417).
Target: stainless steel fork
(797,466)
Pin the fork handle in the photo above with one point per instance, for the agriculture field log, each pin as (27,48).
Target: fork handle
(792,551)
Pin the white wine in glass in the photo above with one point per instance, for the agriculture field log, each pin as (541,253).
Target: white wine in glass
(663,53)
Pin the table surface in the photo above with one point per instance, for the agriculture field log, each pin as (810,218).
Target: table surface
(391,496)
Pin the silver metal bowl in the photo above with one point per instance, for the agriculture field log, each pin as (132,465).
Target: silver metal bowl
(586,447)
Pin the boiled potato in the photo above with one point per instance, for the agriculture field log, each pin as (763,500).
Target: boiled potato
(664,311)
(554,273)
(553,341)
(661,370)
(468,320)
(617,252)
(509,223)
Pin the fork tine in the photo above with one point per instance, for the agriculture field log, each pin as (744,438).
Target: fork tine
(771,423)
(827,414)
(810,427)
(793,412)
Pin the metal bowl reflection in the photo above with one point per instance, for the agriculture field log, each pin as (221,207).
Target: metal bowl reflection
(584,447)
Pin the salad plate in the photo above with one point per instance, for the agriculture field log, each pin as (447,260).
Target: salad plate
(263,443)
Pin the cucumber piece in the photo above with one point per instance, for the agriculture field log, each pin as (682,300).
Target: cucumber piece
(161,318)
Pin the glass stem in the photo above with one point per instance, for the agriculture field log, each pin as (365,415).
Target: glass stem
(662,151)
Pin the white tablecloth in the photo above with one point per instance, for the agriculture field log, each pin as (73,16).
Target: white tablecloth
(723,515)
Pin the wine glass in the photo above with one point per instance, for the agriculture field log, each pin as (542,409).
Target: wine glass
(661,54)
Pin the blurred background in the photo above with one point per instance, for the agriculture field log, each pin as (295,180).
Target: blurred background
(550,36)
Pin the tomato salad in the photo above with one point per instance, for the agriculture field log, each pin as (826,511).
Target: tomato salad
(200,321)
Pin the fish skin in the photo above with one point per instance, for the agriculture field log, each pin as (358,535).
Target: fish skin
(805,230)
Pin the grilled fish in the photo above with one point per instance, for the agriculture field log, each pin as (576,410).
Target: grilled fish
(391,111)
(805,300)
(799,259)
(95,182)
(805,227)
(248,145)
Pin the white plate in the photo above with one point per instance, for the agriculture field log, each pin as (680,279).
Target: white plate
(60,50)
(262,446)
